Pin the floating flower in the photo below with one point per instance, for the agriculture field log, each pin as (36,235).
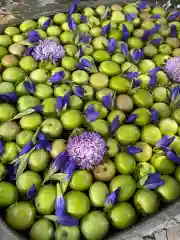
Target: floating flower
(106,29)
(10,97)
(131,118)
(154,71)
(125,32)
(27,147)
(88,150)
(43,143)
(165,141)
(137,55)
(48,50)
(33,36)
(142,4)
(133,150)
(124,49)
(57,77)
(155,16)
(83,19)
(130,16)
(69,170)
(71,23)
(173,16)
(1,147)
(29,86)
(114,125)
(91,113)
(154,116)
(154,181)
(136,83)
(32,192)
(152,81)
(112,198)
(132,75)
(172,68)
(38,108)
(173,32)
(155,41)
(112,45)
(107,101)
(46,23)
(79,91)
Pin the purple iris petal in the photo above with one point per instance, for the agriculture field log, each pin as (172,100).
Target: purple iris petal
(174,93)
(60,206)
(91,113)
(124,49)
(112,198)
(83,19)
(125,32)
(152,81)
(156,41)
(57,77)
(79,91)
(66,99)
(114,125)
(29,86)
(130,16)
(59,103)
(69,168)
(86,63)
(173,16)
(155,16)
(27,147)
(142,4)
(154,181)
(108,14)
(59,161)
(132,75)
(44,144)
(29,51)
(81,51)
(1,147)
(9,97)
(107,101)
(33,36)
(68,220)
(41,136)
(172,156)
(154,116)
(46,23)
(32,192)
(71,23)
(136,83)
(11,171)
(112,45)
(146,35)
(131,118)
(38,108)
(165,141)
(85,39)
(155,29)
(154,71)
(133,150)
(173,32)
(106,29)
(136,55)
(72,8)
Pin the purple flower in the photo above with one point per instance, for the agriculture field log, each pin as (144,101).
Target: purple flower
(38,108)
(10,97)
(142,4)
(107,101)
(107,14)
(172,68)
(155,29)
(173,32)
(27,147)
(136,83)
(154,116)
(1,147)
(154,181)
(71,23)
(132,75)
(83,19)
(48,50)
(87,149)
(69,168)
(173,16)
(175,92)
(41,136)
(86,63)
(29,86)
(131,118)
(66,99)
(91,113)
(44,144)
(73,7)
(11,171)
(68,220)
(114,125)
(33,36)
(124,49)
(125,32)
(29,51)
(172,156)
(112,198)
(130,16)
(80,52)
(146,35)
(59,103)
(57,77)
(165,141)
(46,23)
(133,150)
(152,81)
(112,45)
(137,55)
(155,41)
(86,38)
(155,16)
(59,161)
(79,91)
(106,29)
(32,192)
(154,71)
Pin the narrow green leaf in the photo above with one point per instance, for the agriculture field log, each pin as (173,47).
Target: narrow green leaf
(35,135)
(22,165)
(58,176)
(48,175)
(52,218)
(64,186)
(23,113)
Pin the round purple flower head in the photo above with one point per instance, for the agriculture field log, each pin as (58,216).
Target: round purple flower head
(48,50)
(88,149)
(172,68)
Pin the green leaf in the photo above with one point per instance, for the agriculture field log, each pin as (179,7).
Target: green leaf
(64,186)
(52,218)
(58,176)
(22,165)
(23,113)
(35,135)
(48,175)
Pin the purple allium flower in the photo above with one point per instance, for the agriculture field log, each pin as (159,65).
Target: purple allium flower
(172,68)
(48,50)
(88,150)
